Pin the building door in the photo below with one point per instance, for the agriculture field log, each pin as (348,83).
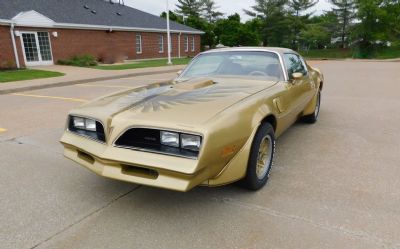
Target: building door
(37,48)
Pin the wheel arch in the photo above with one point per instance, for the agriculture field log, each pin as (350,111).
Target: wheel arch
(272,120)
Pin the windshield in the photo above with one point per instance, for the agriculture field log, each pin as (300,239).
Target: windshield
(246,64)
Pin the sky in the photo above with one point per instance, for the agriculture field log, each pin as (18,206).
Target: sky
(156,7)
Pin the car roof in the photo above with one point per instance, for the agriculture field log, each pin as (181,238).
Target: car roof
(260,49)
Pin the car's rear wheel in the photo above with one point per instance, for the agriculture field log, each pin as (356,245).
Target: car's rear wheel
(261,158)
(313,118)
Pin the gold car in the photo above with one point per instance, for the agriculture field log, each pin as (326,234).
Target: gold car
(213,125)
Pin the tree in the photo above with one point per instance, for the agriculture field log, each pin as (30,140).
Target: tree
(319,30)
(173,17)
(209,11)
(299,18)
(275,22)
(373,27)
(189,7)
(392,8)
(315,36)
(345,12)
(231,32)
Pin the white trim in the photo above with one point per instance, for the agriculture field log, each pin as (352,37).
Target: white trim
(40,62)
(5,22)
(103,27)
(14,46)
(32,18)
(120,28)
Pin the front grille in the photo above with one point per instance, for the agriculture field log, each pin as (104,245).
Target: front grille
(149,140)
(98,135)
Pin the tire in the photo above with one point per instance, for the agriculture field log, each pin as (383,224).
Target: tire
(313,118)
(256,175)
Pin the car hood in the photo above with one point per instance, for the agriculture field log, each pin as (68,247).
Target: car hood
(188,103)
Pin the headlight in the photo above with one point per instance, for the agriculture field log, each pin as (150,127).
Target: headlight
(79,123)
(190,142)
(170,138)
(84,123)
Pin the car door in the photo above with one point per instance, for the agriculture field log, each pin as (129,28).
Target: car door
(298,92)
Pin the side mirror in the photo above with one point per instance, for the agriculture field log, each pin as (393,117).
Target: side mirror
(179,72)
(297,76)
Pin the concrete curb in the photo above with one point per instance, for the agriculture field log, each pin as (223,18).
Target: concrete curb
(77,82)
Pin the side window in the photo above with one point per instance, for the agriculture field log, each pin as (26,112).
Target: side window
(186,43)
(294,64)
(138,44)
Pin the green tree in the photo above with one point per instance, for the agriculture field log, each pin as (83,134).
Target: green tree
(392,8)
(275,21)
(373,26)
(189,7)
(315,36)
(345,12)
(231,32)
(173,17)
(299,16)
(209,11)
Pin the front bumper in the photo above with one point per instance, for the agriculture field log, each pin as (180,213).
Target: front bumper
(138,167)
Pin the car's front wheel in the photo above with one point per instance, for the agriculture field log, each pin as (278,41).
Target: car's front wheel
(261,158)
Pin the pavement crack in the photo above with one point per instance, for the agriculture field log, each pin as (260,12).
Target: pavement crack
(356,234)
(108,204)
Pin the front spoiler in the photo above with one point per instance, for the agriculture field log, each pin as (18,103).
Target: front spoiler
(133,170)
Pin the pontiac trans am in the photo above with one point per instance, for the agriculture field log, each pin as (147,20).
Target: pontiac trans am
(215,124)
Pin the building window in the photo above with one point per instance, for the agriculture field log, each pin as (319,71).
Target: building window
(161,44)
(138,44)
(193,44)
(186,43)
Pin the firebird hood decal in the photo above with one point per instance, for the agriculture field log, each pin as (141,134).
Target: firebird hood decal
(200,99)
(147,101)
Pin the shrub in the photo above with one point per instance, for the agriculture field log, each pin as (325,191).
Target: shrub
(80,61)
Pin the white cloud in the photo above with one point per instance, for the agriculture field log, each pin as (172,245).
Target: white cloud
(156,7)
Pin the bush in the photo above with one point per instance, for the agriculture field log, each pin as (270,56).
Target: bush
(80,61)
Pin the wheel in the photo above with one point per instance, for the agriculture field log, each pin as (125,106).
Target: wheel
(313,118)
(261,157)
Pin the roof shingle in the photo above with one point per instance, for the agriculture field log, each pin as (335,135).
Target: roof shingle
(74,12)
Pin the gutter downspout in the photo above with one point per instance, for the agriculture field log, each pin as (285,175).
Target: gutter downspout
(14,46)
(179,44)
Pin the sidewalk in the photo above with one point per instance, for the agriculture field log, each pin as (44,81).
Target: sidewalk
(80,75)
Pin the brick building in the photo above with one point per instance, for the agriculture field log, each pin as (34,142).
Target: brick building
(41,32)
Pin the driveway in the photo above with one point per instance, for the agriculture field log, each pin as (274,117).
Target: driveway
(335,184)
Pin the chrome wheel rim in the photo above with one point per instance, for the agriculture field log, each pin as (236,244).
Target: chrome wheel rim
(317,105)
(264,157)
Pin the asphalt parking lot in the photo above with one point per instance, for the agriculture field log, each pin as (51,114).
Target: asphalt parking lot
(335,184)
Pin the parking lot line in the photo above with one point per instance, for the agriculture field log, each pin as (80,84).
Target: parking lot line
(2,130)
(49,97)
(88,85)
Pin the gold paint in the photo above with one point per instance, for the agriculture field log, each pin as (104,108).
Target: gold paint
(227,112)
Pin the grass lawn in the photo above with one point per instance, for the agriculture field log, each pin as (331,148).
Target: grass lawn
(381,53)
(26,74)
(328,53)
(144,64)
(388,53)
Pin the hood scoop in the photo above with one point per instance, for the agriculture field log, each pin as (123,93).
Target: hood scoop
(194,84)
